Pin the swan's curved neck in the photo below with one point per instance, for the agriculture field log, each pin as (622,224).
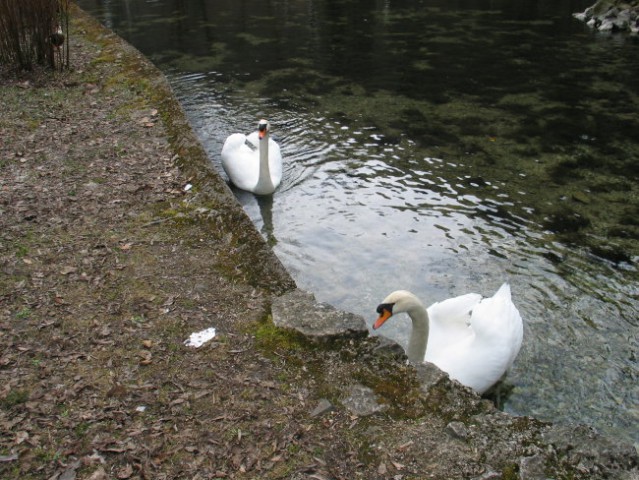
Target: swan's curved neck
(419,334)
(265,172)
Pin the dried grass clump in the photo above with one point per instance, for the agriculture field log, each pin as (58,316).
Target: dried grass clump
(34,32)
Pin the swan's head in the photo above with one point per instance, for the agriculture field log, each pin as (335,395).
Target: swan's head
(263,127)
(397,302)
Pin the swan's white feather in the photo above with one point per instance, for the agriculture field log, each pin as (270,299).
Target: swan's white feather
(449,319)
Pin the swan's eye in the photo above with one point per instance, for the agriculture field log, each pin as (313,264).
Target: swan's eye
(385,307)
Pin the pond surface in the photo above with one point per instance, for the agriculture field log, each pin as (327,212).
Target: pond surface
(441,147)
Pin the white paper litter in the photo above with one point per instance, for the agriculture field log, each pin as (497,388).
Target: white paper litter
(197,339)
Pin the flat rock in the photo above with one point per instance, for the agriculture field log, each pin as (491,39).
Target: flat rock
(298,310)
(324,406)
(362,401)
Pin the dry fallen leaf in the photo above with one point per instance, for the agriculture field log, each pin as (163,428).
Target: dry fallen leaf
(99,474)
(146,357)
(404,446)
(70,472)
(125,472)
(93,459)
(318,476)
(21,437)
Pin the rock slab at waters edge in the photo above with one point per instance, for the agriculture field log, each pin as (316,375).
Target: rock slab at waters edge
(300,311)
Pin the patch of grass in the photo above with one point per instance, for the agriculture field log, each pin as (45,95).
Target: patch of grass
(64,410)
(138,320)
(183,214)
(510,473)
(106,56)
(397,388)
(272,339)
(293,449)
(48,455)
(13,398)
(73,166)
(17,472)
(82,428)
(23,313)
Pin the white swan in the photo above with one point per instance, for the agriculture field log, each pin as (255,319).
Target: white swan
(472,339)
(253,162)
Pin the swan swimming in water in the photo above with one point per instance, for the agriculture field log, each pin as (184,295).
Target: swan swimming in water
(253,162)
(473,339)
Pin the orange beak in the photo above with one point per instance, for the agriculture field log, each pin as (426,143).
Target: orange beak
(262,128)
(383,316)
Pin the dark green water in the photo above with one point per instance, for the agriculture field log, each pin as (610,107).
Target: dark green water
(441,147)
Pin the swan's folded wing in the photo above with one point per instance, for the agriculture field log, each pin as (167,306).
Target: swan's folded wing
(449,326)
(454,312)
(232,143)
(240,162)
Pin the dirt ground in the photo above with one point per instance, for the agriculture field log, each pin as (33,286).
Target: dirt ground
(117,241)
(109,261)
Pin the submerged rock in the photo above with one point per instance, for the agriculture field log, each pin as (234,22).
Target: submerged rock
(584,446)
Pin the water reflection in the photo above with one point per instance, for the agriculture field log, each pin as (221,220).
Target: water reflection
(441,148)
(261,207)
